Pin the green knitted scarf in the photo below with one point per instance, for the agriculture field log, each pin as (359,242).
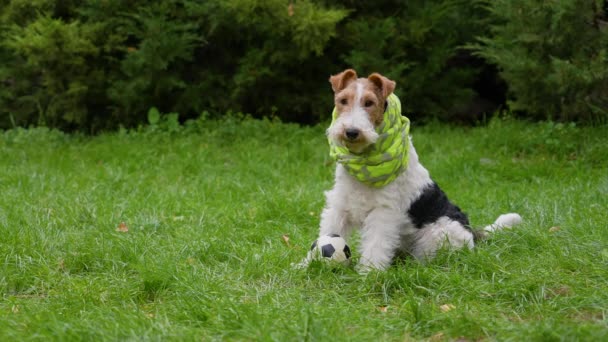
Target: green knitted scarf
(380,163)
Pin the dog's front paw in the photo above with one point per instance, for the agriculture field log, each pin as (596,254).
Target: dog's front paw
(363,268)
(304,263)
(300,265)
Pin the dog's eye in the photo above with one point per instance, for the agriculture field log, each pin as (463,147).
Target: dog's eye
(369,103)
(343,101)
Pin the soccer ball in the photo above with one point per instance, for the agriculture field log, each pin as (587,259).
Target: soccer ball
(330,248)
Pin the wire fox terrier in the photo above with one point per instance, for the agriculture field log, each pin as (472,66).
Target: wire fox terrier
(380,186)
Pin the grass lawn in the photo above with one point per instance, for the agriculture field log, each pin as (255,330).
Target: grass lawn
(204,257)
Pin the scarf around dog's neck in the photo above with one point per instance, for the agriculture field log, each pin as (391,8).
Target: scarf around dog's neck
(380,163)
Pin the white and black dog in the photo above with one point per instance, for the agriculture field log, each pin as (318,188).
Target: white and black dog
(410,214)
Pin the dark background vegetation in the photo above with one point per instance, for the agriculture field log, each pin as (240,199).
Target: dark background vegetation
(97,65)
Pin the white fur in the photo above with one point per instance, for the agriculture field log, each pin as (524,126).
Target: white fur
(381,216)
(356,118)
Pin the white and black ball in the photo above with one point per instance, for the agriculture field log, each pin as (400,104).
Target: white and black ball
(331,248)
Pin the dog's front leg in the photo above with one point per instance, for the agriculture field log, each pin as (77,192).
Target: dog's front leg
(334,220)
(380,238)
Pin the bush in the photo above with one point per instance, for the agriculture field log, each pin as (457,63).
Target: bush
(417,43)
(553,55)
(94,65)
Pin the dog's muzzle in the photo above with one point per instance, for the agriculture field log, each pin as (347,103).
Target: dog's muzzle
(351,134)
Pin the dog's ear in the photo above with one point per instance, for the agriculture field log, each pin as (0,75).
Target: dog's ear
(385,85)
(341,80)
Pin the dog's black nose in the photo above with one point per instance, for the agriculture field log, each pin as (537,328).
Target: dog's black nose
(351,133)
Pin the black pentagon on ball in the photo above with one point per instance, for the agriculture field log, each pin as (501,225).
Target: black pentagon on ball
(314,244)
(327,251)
(347,251)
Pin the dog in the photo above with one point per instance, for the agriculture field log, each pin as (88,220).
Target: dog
(380,186)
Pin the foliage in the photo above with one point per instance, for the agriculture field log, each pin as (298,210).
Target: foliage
(553,55)
(94,65)
(201,254)
(417,44)
(52,80)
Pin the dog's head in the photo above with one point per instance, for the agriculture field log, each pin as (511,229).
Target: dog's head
(360,105)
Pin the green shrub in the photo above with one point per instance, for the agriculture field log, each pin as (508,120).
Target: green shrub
(271,57)
(553,55)
(54,75)
(417,44)
(94,65)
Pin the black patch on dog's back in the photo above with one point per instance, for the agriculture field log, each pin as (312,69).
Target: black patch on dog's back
(433,204)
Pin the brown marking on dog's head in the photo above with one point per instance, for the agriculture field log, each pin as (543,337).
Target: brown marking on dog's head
(383,84)
(382,88)
(360,105)
(344,100)
(372,101)
(342,80)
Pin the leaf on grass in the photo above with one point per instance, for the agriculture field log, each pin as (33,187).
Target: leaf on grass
(285,238)
(290,10)
(447,307)
(383,308)
(437,337)
(554,229)
(560,291)
(122,227)
(15,309)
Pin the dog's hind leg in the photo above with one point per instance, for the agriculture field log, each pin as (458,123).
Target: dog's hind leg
(442,233)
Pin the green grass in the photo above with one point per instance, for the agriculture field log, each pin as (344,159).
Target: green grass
(204,259)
